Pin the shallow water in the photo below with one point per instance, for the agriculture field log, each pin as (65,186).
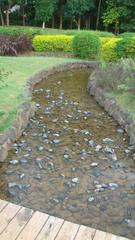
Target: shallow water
(66,167)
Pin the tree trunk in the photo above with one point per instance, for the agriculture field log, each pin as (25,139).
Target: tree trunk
(98,15)
(79,23)
(7,17)
(24,18)
(71,23)
(61,21)
(23,15)
(88,22)
(52,22)
(43,25)
(117,27)
(1,17)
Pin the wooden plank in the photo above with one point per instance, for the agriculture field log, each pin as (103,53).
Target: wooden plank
(7,215)
(68,231)
(118,238)
(2,204)
(51,229)
(100,235)
(17,224)
(109,236)
(34,226)
(85,233)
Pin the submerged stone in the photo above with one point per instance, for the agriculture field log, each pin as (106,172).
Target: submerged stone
(40,148)
(56,141)
(91,199)
(98,148)
(37,177)
(94,164)
(23,161)
(108,140)
(12,185)
(91,143)
(21,176)
(120,130)
(9,172)
(11,193)
(113,186)
(14,162)
(75,180)
(108,150)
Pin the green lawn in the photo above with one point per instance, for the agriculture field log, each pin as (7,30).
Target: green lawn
(18,70)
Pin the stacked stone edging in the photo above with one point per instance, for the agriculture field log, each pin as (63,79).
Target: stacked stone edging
(124,118)
(27,109)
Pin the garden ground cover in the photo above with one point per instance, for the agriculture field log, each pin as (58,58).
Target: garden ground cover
(16,71)
(126,100)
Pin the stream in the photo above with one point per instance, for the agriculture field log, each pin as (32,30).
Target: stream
(73,160)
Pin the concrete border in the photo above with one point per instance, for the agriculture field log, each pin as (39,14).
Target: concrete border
(110,105)
(27,109)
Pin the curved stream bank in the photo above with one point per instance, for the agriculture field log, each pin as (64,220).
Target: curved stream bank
(73,160)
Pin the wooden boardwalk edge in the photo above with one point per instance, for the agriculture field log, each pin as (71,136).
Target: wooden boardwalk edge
(20,223)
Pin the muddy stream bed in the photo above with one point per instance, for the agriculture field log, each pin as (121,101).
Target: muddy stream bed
(73,160)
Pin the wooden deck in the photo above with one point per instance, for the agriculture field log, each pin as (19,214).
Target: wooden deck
(19,223)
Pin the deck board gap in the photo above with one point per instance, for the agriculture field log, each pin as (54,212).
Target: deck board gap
(24,227)
(3,207)
(77,231)
(59,230)
(10,219)
(41,228)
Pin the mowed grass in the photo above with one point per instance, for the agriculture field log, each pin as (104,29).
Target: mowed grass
(12,84)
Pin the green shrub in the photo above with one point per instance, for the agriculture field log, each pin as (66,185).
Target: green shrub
(108,49)
(127,34)
(86,45)
(52,43)
(126,48)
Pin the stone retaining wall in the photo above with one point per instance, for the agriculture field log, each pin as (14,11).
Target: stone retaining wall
(27,109)
(111,106)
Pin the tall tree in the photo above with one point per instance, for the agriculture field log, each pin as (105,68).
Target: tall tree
(44,10)
(1,12)
(114,12)
(77,8)
(10,6)
(88,14)
(60,9)
(22,4)
(98,14)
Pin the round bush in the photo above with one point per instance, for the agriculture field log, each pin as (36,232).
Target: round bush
(126,48)
(86,45)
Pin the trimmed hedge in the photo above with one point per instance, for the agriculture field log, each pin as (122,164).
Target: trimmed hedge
(17,31)
(126,48)
(108,50)
(53,43)
(33,31)
(86,45)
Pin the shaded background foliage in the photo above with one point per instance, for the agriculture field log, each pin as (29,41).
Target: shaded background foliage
(111,15)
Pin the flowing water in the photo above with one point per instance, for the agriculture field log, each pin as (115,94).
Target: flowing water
(73,160)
